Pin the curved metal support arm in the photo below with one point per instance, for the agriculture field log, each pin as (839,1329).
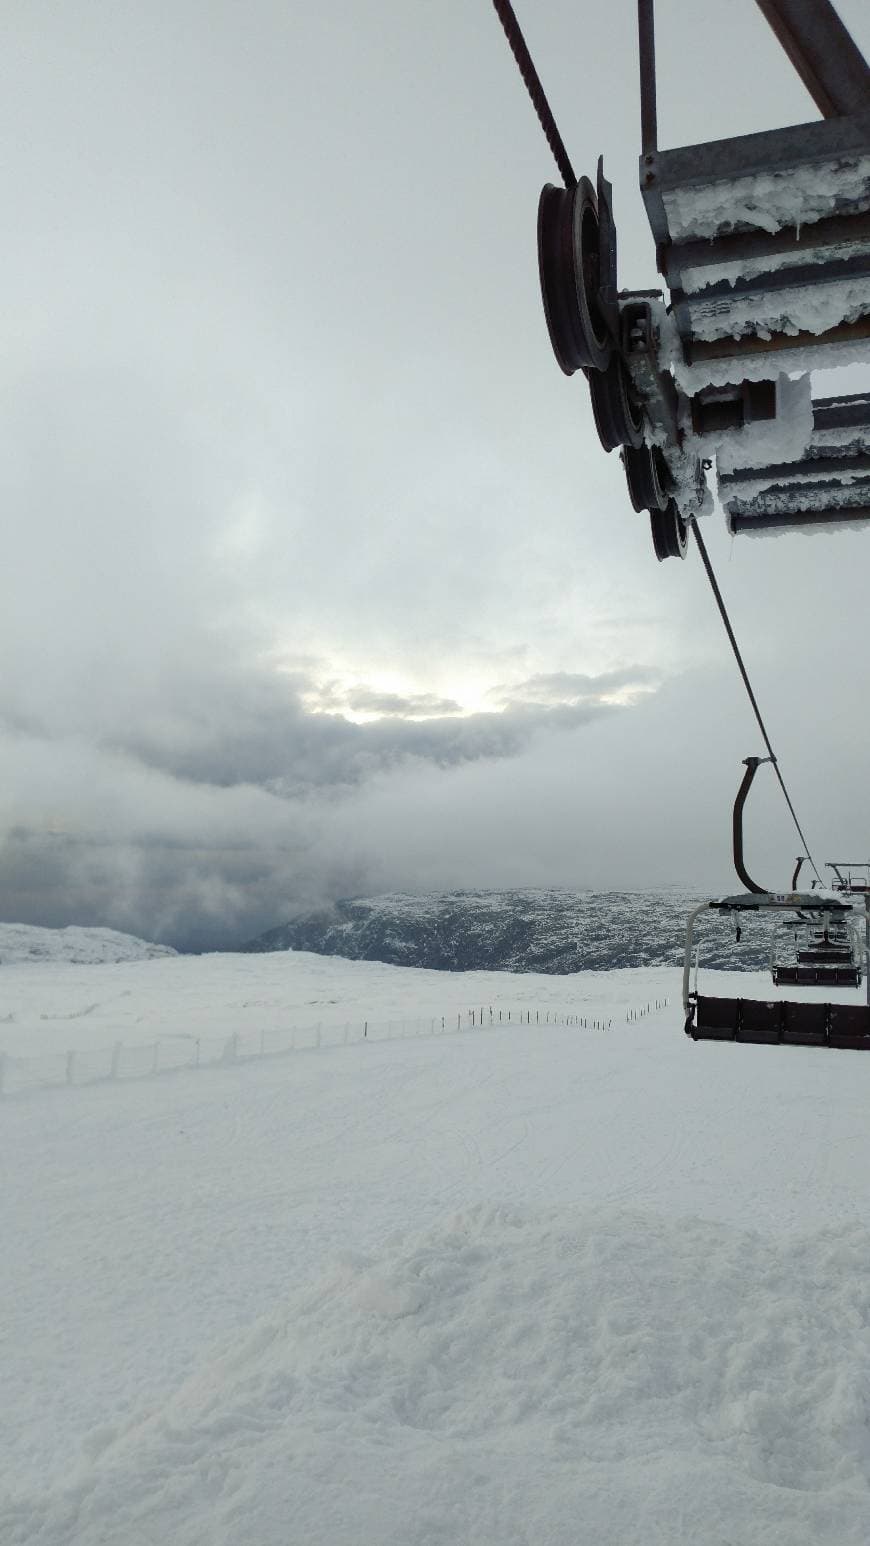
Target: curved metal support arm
(798,866)
(752,766)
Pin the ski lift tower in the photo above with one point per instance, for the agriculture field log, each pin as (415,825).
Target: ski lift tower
(763,243)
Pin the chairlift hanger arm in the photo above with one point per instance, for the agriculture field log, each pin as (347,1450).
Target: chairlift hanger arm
(798,866)
(752,766)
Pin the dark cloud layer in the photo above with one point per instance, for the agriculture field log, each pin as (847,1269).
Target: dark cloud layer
(228,807)
(201,866)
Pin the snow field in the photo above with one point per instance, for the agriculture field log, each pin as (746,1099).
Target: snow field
(48,1011)
(511,1377)
(179,1051)
(512,1286)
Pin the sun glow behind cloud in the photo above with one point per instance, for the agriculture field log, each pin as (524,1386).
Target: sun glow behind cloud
(366,697)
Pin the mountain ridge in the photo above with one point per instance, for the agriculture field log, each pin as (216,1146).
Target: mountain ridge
(556,931)
(74,944)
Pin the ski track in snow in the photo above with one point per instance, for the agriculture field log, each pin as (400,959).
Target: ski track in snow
(522,1285)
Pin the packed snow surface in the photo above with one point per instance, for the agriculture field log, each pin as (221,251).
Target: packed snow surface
(506,1287)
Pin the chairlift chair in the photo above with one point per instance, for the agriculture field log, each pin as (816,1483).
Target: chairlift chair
(815,955)
(821,926)
(774,1020)
(850,876)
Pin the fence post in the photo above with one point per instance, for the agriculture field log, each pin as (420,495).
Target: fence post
(70,1067)
(366,1031)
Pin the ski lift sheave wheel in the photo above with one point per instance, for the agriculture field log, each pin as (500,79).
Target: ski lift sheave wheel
(569,263)
(618,415)
(670,533)
(646,474)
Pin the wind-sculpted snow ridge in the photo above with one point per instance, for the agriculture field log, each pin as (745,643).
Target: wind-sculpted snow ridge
(552,931)
(507,1377)
(24,942)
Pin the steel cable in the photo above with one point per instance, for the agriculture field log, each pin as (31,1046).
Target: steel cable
(513,33)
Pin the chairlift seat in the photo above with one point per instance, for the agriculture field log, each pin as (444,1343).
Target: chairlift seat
(820,976)
(768,1023)
(716,1019)
(805,1025)
(849,1026)
(760,1022)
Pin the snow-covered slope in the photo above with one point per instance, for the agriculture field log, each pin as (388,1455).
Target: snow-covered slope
(26,942)
(503,1287)
(70,1007)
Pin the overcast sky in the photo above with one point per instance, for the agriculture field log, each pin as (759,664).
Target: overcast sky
(315,579)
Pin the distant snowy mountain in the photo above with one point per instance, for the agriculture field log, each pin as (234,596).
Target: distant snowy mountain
(21,942)
(554,931)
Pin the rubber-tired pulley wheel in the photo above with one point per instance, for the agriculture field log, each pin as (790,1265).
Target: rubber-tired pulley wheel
(569,267)
(618,414)
(646,474)
(670,533)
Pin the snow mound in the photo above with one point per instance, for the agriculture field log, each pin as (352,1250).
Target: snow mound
(25,942)
(505,1378)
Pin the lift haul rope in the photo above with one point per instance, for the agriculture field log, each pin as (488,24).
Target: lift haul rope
(513,32)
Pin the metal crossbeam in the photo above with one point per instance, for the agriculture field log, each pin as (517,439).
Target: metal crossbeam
(823,52)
